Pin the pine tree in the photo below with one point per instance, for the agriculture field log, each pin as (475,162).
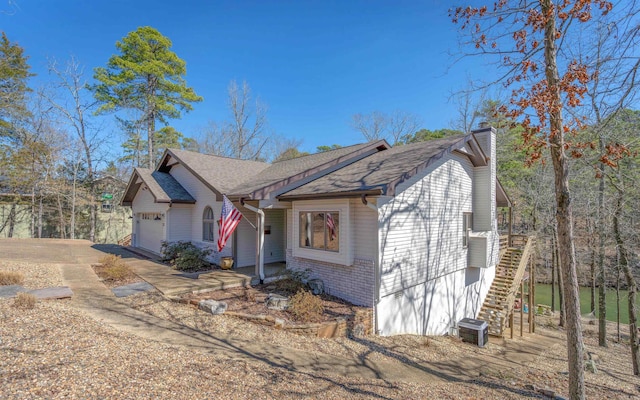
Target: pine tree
(148,77)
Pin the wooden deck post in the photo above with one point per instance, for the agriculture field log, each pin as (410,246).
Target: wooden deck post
(511,323)
(532,295)
(510,224)
(522,308)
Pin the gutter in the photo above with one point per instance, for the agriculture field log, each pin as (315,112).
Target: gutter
(260,242)
(335,195)
(376,268)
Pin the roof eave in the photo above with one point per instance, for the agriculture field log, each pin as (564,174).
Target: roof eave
(176,201)
(164,165)
(130,187)
(335,195)
(502,198)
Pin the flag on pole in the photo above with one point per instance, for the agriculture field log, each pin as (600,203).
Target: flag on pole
(332,226)
(229,220)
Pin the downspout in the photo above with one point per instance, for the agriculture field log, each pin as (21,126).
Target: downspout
(260,243)
(376,269)
(366,203)
(167,226)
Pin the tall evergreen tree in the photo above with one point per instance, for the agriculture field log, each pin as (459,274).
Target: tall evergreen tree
(148,77)
(14,73)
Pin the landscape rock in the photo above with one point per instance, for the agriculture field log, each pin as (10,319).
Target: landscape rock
(11,290)
(547,392)
(59,292)
(131,289)
(358,331)
(277,302)
(591,366)
(212,306)
(317,286)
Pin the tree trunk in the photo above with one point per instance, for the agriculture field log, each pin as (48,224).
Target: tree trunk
(592,288)
(618,298)
(61,221)
(564,217)
(150,129)
(92,215)
(553,273)
(602,284)
(152,83)
(631,284)
(563,316)
(33,212)
(12,220)
(73,202)
(592,268)
(40,218)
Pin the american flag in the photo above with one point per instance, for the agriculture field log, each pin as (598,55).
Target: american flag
(229,220)
(332,226)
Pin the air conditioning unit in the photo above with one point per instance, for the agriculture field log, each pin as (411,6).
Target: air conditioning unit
(474,331)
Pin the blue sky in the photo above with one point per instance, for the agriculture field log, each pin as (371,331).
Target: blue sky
(314,63)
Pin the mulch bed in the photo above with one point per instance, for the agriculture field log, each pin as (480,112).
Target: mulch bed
(252,301)
(99,269)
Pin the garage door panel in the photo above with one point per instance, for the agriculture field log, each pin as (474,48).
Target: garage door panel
(150,231)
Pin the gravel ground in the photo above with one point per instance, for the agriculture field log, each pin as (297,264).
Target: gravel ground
(56,351)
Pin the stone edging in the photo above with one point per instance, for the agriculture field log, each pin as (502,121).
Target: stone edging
(329,329)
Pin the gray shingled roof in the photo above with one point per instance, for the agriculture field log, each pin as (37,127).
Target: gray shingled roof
(380,172)
(284,172)
(163,187)
(221,174)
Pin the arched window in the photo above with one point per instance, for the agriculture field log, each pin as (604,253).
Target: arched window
(207,224)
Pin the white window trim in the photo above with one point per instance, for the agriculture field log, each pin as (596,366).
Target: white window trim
(342,257)
(211,221)
(466,232)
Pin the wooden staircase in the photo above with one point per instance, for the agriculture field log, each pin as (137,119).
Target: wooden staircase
(125,241)
(510,271)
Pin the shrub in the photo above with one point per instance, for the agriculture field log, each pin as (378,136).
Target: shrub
(11,278)
(25,300)
(185,256)
(250,295)
(115,269)
(306,307)
(293,281)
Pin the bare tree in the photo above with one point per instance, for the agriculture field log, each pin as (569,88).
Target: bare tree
(392,127)
(527,40)
(282,148)
(74,107)
(248,124)
(402,123)
(372,126)
(470,107)
(612,53)
(244,136)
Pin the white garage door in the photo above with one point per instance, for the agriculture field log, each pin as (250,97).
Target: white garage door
(150,231)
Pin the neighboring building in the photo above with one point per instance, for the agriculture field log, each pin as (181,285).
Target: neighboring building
(410,230)
(19,214)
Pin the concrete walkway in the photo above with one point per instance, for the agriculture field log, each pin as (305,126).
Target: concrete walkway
(171,282)
(75,258)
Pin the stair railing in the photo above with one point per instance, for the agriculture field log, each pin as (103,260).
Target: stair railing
(517,278)
(125,241)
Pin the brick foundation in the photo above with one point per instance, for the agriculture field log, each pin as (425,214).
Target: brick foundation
(353,283)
